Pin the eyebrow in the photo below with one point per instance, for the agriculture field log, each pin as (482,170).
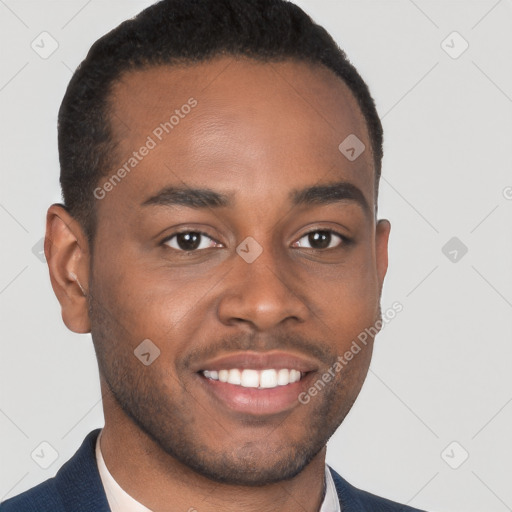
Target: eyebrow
(198,198)
(190,197)
(330,193)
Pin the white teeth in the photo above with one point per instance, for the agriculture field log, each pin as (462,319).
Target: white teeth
(262,379)
(283,377)
(250,379)
(268,379)
(234,377)
(294,375)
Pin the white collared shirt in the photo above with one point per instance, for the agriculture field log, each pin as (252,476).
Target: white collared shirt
(120,501)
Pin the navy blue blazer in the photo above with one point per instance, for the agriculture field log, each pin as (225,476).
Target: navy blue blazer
(77,487)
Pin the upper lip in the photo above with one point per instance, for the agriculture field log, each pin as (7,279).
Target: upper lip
(260,361)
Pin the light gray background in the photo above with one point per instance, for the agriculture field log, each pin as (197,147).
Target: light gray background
(441,371)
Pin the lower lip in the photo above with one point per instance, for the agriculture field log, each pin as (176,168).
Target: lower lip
(256,401)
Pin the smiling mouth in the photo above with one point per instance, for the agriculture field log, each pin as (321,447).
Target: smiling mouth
(257,379)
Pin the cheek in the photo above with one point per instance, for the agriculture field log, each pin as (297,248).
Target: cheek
(344,296)
(121,290)
(148,301)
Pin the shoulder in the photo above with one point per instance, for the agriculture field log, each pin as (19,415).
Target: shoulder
(41,498)
(76,487)
(356,500)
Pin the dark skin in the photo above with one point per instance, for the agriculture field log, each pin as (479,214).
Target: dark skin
(259,131)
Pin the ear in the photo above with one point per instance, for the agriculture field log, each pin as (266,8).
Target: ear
(67,253)
(382,231)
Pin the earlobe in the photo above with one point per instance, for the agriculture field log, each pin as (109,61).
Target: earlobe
(67,253)
(382,231)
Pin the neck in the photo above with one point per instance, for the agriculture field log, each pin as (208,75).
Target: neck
(161,483)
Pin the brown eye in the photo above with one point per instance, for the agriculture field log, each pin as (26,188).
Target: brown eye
(321,239)
(190,241)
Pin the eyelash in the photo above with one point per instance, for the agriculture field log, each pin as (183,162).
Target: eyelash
(344,239)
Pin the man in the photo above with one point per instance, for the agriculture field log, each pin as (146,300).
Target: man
(220,162)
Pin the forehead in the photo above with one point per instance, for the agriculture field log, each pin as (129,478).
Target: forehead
(251,123)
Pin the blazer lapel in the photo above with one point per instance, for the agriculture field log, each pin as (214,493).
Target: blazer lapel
(78,481)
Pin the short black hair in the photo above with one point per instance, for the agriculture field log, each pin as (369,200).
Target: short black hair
(184,31)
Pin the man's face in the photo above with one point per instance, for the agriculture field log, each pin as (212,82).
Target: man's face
(292,296)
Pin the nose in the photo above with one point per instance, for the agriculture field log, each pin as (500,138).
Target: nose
(264,294)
